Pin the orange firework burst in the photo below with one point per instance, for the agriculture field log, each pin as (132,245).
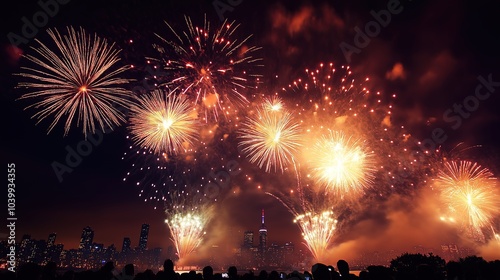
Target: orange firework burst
(187,218)
(333,98)
(77,80)
(187,227)
(469,191)
(211,66)
(273,104)
(318,231)
(270,137)
(341,164)
(163,122)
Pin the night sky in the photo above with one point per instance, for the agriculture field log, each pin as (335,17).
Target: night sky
(430,55)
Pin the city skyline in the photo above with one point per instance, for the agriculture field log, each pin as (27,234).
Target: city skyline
(282,256)
(134,243)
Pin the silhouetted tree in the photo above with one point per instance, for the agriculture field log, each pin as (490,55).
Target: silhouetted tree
(473,267)
(416,266)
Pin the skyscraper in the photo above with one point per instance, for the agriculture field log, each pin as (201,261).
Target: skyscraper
(86,239)
(51,249)
(126,244)
(51,240)
(26,247)
(248,239)
(262,236)
(143,239)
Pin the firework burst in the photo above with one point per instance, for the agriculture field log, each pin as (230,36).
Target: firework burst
(163,122)
(314,215)
(273,104)
(213,67)
(78,82)
(270,138)
(331,98)
(341,164)
(469,192)
(187,225)
(317,230)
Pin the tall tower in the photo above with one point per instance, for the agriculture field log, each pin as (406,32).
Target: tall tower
(262,236)
(86,239)
(143,239)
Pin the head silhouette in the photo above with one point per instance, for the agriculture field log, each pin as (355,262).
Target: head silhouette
(232,272)
(208,272)
(168,265)
(343,267)
(320,272)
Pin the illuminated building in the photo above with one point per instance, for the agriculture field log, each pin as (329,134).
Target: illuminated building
(86,239)
(143,239)
(126,245)
(51,240)
(248,239)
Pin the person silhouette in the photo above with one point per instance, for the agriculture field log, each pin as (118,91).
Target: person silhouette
(343,268)
(168,272)
(320,272)
(127,273)
(232,273)
(208,273)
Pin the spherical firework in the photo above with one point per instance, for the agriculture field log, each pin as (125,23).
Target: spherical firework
(270,138)
(341,164)
(163,122)
(469,192)
(80,79)
(211,66)
(318,230)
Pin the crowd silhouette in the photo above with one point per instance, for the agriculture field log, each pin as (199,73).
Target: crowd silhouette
(406,266)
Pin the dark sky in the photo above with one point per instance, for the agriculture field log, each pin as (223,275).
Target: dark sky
(430,54)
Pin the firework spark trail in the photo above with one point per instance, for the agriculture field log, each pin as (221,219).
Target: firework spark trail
(163,122)
(341,164)
(211,66)
(187,230)
(79,79)
(270,138)
(314,219)
(468,190)
(318,230)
